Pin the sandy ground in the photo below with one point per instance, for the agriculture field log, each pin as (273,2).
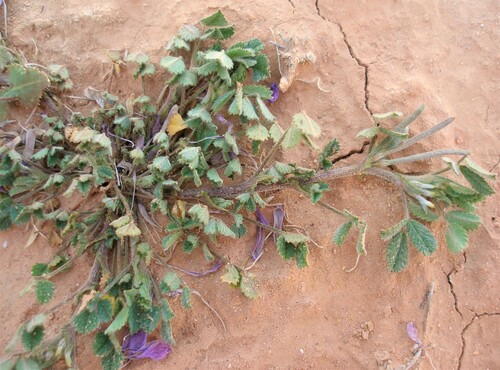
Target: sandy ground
(374,56)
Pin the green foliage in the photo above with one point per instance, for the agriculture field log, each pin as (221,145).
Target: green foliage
(162,171)
(421,237)
(397,252)
(44,290)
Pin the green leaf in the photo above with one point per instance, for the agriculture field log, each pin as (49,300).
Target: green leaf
(397,253)
(259,91)
(341,233)
(33,338)
(468,221)
(456,237)
(275,132)
(25,363)
(330,149)
(236,107)
(200,213)
(39,269)
(261,68)
(248,286)
(44,291)
(112,361)
(174,65)
(26,84)
(301,255)
(214,177)
(266,113)
(190,243)
(190,156)
(215,20)
(477,182)
(166,332)
(119,321)
(222,100)
(102,345)
(166,311)
(170,240)
(189,33)
(186,78)
(257,132)
(393,230)
(249,110)
(186,297)
(232,276)
(221,57)
(421,237)
(306,125)
(162,164)
(233,167)
(286,249)
(104,310)
(293,136)
(86,321)
(419,212)
(170,282)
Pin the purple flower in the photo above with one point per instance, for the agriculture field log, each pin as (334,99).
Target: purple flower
(259,242)
(214,268)
(276,93)
(278,215)
(412,333)
(134,347)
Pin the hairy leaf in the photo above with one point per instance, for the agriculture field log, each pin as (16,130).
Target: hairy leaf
(33,338)
(86,321)
(477,182)
(341,233)
(468,221)
(44,290)
(397,252)
(456,237)
(102,344)
(421,237)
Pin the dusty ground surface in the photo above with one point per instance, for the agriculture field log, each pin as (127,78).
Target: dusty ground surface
(373,57)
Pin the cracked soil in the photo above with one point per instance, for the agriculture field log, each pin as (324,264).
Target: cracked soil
(374,56)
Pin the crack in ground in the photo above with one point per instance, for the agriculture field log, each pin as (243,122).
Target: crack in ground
(466,327)
(452,289)
(353,55)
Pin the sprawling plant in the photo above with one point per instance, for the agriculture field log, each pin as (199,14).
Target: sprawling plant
(149,166)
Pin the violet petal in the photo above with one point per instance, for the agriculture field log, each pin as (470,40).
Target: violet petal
(261,217)
(215,268)
(412,333)
(156,350)
(279,216)
(135,342)
(259,244)
(276,93)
